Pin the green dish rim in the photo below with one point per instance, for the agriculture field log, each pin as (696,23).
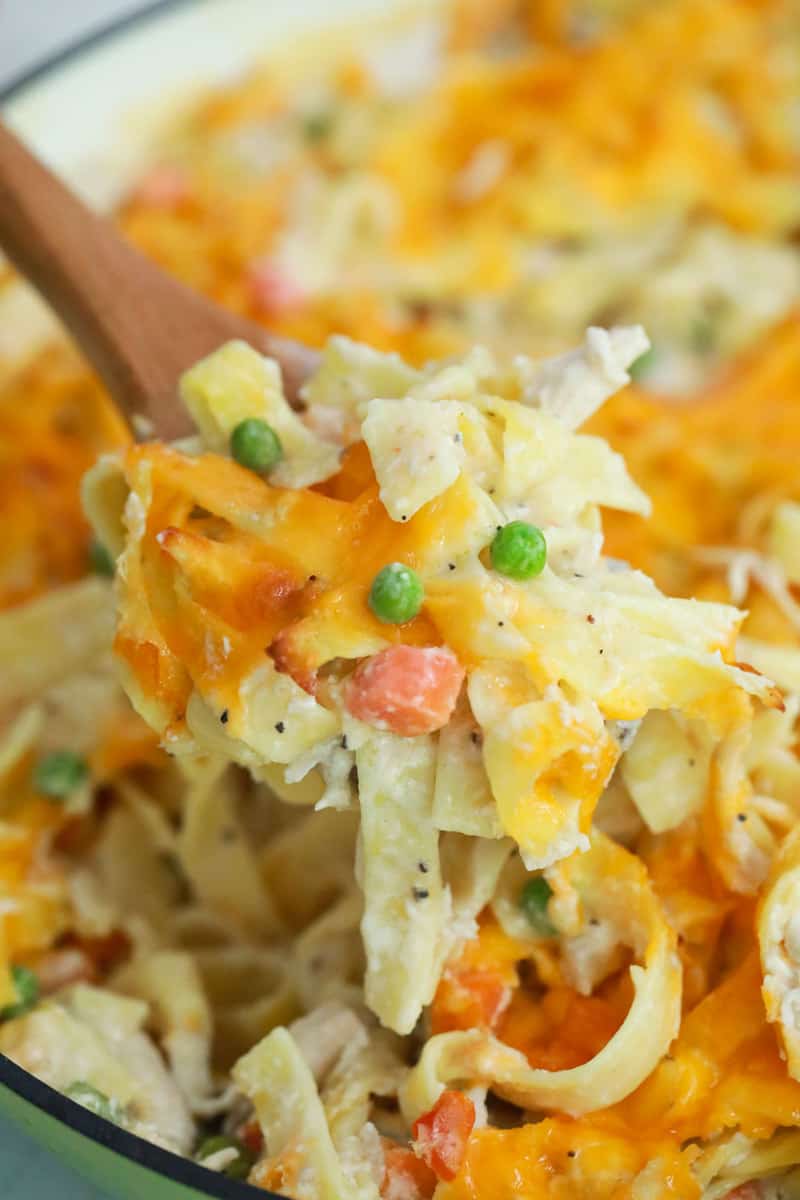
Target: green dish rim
(19,1081)
(129,1145)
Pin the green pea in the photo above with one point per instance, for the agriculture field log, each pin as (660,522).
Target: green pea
(59,774)
(396,594)
(317,126)
(26,985)
(702,335)
(96,1101)
(100,559)
(256,445)
(519,550)
(533,900)
(238,1168)
(642,365)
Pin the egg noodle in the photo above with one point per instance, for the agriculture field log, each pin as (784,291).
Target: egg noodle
(413,813)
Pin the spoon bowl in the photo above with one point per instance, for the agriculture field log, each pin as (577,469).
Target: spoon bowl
(139,328)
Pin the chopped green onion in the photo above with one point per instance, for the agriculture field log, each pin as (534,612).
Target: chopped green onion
(519,550)
(238,1168)
(642,365)
(396,594)
(100,559)
(317,126)
(26,985)
(96,1101)
(59,774)
(533,900)
(256,445)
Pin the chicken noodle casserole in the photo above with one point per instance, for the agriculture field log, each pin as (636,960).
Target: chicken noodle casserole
(441,838)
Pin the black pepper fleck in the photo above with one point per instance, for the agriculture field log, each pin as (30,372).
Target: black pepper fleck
(223,716)
(601,651)
(498,528)
(501,624)
(343,742)
(423,866)
(280,726)
(475,738)
(404,518)
(312,579)
(420,893)
(594,921)
(691,762)
(451,566)
(571,1153)
(741,816)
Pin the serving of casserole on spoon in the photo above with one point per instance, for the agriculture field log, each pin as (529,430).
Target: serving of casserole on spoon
(139,327)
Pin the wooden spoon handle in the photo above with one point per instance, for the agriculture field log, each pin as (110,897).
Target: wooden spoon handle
(138,327)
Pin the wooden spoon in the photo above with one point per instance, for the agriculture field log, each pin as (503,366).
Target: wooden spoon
(139,327)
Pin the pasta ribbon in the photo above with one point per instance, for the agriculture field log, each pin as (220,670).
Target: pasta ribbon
(547,762)
(215,855)
(302,1159)
(94,1036)
(170,983)
(405,904)
(779,943)
(613,883)
(753,797)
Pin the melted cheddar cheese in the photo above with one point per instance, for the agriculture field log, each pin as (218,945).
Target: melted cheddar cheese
(560,1159)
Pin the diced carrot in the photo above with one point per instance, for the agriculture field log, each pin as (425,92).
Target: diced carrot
(272,289)
(407,690)
(250,1135)
(476,987)
(469,999)
(106,952)
(82,959)
(441,1135)
(406,1177)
